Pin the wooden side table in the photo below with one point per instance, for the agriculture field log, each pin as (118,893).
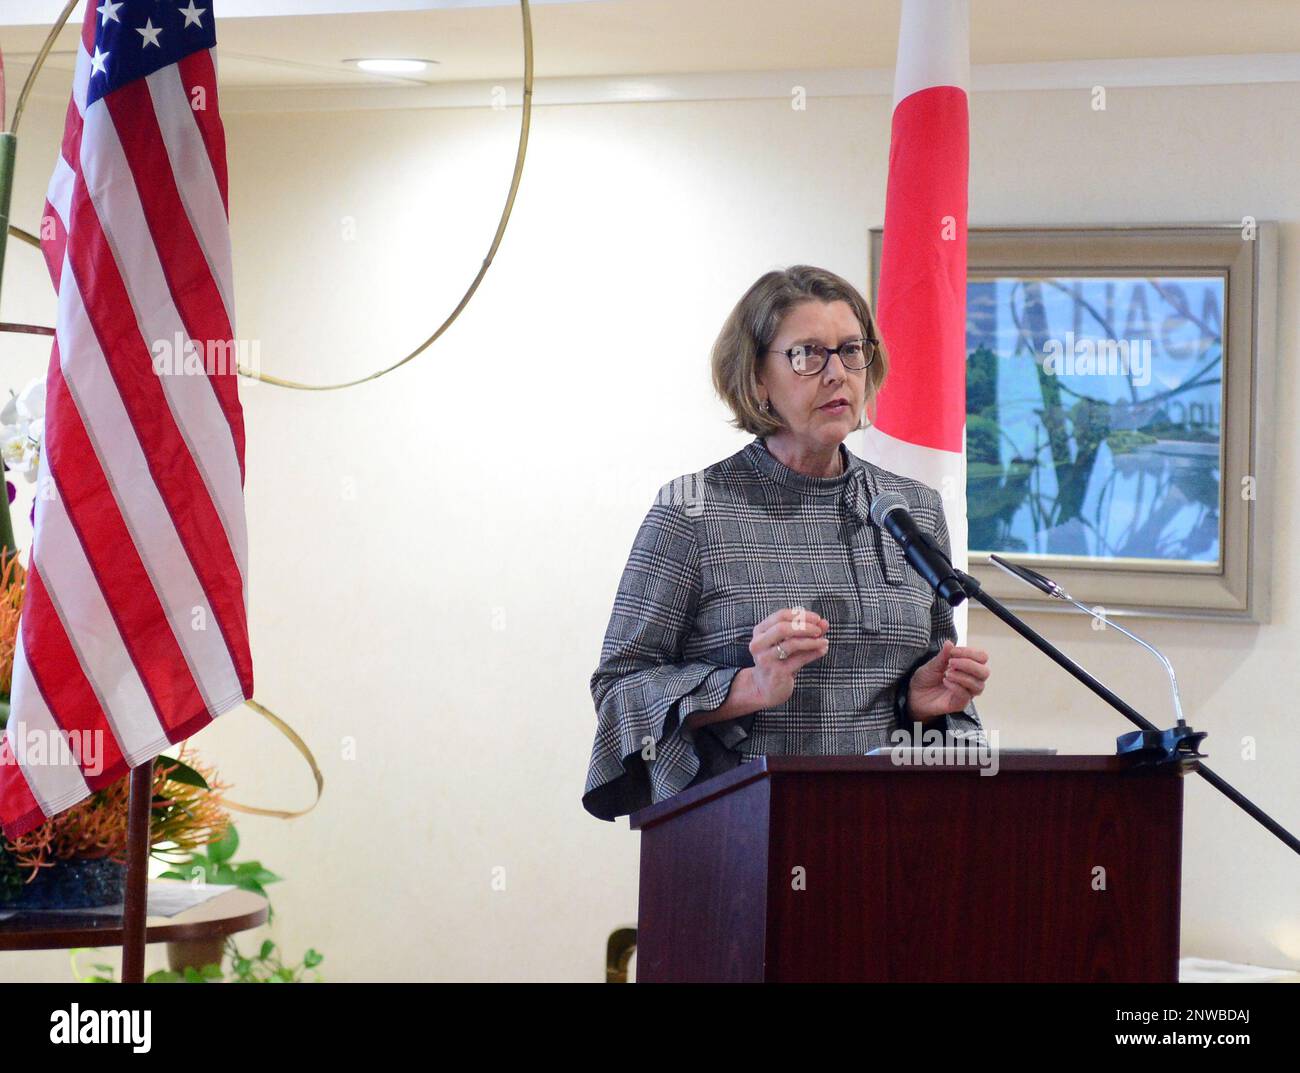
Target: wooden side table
(194,937)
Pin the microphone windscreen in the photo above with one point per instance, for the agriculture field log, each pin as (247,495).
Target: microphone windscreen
(884,503)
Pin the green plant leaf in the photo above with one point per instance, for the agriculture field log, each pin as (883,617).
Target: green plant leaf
(164,976)
(185,774)
(224,848)
(268,948)
(224,875)
(312,958)
(192,975)
(253,872)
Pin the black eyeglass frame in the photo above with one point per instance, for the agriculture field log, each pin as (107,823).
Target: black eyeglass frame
(827,351)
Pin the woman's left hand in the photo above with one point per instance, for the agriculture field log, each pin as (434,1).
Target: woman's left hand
(948,682)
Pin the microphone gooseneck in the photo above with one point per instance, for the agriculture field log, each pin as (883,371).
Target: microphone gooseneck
(1057,592)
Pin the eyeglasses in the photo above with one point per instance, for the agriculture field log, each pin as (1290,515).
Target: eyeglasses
(810,359)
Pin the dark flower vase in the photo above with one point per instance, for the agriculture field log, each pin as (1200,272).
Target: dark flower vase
(76,884)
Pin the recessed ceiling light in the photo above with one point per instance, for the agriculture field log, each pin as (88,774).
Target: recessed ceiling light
(392,67)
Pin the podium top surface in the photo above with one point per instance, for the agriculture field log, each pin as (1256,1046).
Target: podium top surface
(761,767)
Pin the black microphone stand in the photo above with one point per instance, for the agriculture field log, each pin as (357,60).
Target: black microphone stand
(1177,746)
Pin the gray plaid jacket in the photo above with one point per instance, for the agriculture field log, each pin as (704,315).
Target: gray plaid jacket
(718,552)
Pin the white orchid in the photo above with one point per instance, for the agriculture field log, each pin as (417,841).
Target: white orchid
(22,429)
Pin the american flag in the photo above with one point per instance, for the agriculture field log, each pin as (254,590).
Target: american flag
(134,631)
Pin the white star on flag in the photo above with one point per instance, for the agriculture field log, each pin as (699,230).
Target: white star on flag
(97,61)
(109,10)
(193,15)
(150,33)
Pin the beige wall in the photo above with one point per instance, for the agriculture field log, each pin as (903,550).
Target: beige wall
(434,555)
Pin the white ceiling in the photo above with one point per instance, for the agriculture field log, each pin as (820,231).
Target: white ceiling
(475,40)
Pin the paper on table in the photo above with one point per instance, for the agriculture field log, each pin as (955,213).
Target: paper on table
(166,898)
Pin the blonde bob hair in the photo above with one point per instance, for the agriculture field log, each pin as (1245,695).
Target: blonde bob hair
(742,345)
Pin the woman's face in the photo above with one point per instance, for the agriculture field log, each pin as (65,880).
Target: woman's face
(800,400)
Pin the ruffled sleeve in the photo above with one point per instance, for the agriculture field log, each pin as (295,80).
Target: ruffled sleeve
(645,686)
(965,723)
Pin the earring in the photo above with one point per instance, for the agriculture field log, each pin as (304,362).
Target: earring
(767,407)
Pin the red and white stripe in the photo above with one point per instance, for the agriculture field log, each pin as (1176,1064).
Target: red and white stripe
(134,625)
(920,425)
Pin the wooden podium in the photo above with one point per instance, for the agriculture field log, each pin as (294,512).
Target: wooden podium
(855,868)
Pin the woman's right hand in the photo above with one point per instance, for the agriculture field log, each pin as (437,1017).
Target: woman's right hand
(802,636)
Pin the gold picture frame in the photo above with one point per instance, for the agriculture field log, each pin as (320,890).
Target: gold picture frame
(1236,261)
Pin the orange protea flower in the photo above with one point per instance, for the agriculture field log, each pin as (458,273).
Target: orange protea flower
(184,818)
(13,579)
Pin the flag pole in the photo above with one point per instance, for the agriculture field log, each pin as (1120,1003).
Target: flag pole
(134,909)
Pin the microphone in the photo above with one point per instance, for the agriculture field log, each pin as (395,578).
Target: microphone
(889,512)
(1041,582)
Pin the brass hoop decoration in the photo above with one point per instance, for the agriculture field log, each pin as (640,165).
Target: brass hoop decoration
(30,81)
(288,731)
(520,154)
(25,236)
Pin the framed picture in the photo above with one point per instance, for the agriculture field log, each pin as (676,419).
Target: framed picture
(1118,395)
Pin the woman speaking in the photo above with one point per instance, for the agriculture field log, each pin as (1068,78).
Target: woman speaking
(761,612)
